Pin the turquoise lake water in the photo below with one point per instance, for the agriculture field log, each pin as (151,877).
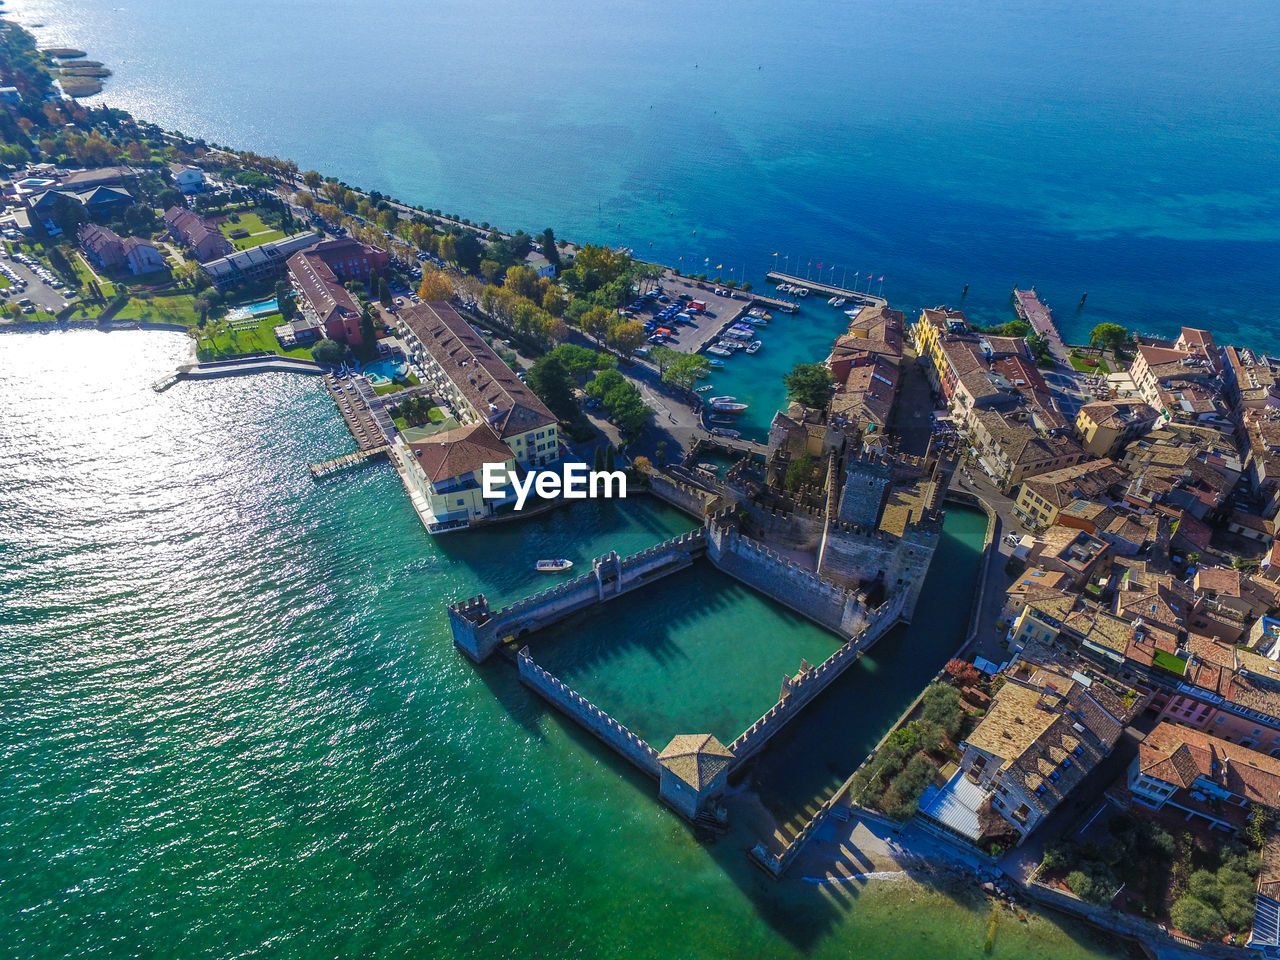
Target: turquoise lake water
(236,725)
(1127,150)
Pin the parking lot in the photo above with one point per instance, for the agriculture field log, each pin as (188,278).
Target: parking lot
(31,280)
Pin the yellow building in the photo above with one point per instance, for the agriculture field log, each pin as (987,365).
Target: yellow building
(1040,498)
(1106,426)
(445,475)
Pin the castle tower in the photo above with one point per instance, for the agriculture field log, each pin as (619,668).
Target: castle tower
(693,770)
(867,481)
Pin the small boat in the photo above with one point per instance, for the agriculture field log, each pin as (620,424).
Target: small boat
(832,302)
(754,346)
(553,566)
(718,351)
(726,405)
(802,292)
(715,363)
(709,467)
(839,302)
(705,389)
(724,432)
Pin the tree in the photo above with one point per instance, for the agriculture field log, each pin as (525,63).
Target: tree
(447,249)
(367,332)
(328,351)
(609,463)
(523,282)
(435,286)
(312,179)
(595,322)
(627,336)
(599,459)
(384,292)
(662,357)
(1111,336)
(467,250)
(941,706)
(809,384)
(554,301)
(550,249)
(1197,919)
(686,370)
(800,471)
(551,380)
(284,300)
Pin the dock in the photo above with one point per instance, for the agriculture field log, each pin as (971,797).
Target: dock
(827,290)
(347,461)
(1029,307)
(165,382)
(786,306)
(357,412)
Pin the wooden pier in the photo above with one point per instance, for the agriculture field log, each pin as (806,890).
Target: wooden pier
(359,458)
(827,289)
(356,413)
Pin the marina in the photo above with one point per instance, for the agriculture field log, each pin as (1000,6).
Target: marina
(826,289)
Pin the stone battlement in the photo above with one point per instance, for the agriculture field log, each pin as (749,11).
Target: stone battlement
(586,713)
(478,630)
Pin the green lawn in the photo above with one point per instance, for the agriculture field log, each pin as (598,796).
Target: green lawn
(4,281)
(1078,363)
(219,341)
(179,308)
(259,232)
(84,275)
(386,388)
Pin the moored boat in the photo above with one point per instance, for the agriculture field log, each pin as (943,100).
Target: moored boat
(553,566)
(715,363)
(754,346)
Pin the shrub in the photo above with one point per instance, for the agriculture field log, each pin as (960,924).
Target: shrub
(328,351)
(1197,919)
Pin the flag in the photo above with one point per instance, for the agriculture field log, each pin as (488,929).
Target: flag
(775,254)
(868,276)
(719,266)
(881,280)
(819,266)
(708,260)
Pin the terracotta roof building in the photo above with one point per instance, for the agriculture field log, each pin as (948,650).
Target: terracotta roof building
(197,234)
(478,384)
(1207,777)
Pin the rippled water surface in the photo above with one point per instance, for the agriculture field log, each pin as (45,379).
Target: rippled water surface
(234,725)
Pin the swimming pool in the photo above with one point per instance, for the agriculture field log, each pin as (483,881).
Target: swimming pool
(384,371)
(259,309)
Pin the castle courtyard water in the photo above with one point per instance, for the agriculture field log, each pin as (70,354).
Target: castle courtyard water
(237,726)
(697,652)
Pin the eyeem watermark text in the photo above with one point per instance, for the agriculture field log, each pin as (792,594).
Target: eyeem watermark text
(573,482)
